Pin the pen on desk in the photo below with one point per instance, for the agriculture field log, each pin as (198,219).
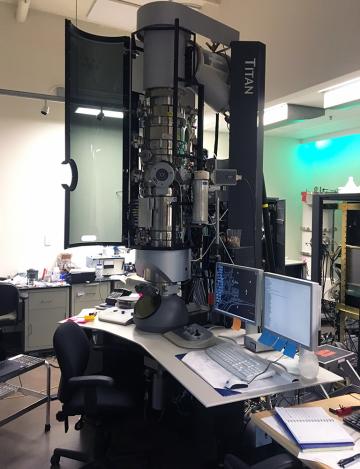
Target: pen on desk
(347,461)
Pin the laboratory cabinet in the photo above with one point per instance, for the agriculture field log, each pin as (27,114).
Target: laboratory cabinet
(43,309)
(88,295)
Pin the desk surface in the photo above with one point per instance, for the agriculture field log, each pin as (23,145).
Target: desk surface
(334,402)
(164,352)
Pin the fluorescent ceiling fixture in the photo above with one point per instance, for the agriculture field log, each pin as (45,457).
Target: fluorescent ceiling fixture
(88,238)
(288,113)
(275,114)
(341,94)
(89,111)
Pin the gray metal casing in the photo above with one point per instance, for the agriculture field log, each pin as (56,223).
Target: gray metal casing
(162,266)
(164,13)
(172,313)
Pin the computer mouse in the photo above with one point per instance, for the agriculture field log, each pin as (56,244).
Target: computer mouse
(235,384)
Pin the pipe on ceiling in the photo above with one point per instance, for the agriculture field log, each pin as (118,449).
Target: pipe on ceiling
(22,10)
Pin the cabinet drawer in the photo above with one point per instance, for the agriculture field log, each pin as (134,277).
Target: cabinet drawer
(47,299)
(81,291)
(88,295)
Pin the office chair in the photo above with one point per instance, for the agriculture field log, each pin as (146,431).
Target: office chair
(92,397)
(280,461)
(9,305)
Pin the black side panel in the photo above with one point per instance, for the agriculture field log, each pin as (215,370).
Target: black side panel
(246,148)
(96,137)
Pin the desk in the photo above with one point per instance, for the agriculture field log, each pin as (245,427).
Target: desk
(289,445)
(164,352)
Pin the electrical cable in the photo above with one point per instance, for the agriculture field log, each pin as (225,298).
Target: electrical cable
(216,140)
(227,252)
(206,251)
(267,367)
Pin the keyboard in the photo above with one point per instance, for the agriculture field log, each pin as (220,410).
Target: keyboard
(18,363)
(25,361)
(244,366)
(353,421)
(6,389)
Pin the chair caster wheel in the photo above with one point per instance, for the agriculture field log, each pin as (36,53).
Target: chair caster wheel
(79,425)
(47,427)
(55,461)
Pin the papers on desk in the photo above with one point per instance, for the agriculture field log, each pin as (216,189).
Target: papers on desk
(80,318)
(217,376)
(330,458)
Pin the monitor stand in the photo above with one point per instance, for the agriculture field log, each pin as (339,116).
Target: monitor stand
(251,328)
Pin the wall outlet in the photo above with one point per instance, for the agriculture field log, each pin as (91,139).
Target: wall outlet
(47,240)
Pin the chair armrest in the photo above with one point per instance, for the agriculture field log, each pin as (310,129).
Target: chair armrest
(90,381)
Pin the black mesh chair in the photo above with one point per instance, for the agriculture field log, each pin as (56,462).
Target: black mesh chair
(93,397)
(280,461)
(9,308)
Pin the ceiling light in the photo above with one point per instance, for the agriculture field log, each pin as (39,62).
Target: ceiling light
(275,114)
(88,238)
(90,111)
(340,94)
(288,113)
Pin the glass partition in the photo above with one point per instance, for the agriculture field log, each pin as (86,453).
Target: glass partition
(96,135)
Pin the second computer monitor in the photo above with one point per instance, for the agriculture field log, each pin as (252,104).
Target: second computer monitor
(238,292)
(291,309)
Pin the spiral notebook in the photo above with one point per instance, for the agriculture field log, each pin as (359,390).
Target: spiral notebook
(312,428)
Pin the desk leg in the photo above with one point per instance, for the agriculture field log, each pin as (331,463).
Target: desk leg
(268,403)
(324,392)
(48,395)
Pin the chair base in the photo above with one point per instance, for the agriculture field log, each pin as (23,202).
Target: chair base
(67,453)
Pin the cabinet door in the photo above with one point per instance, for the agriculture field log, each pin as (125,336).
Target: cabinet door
(44,310)
(88,295)
(96,137)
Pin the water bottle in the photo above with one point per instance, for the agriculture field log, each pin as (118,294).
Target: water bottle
(98,272)
(308,364)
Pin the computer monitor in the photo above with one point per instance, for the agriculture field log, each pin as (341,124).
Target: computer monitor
(238,292)
(291,309)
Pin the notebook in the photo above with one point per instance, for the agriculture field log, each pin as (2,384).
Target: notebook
(313,429)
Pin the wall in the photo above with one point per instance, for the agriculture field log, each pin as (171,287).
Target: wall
(223,144)
(291,168)
(31,196)
(32,53)
(32,146)
(307,42)
(286,176)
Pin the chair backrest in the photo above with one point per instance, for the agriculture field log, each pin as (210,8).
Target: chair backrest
(9,298)
(72,350)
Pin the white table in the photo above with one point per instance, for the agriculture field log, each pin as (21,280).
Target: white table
(164,352)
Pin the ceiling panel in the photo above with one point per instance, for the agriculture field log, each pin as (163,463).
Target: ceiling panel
(334,121)
(122,13)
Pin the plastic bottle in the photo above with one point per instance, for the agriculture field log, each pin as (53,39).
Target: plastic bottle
(308,364)
(98,272)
